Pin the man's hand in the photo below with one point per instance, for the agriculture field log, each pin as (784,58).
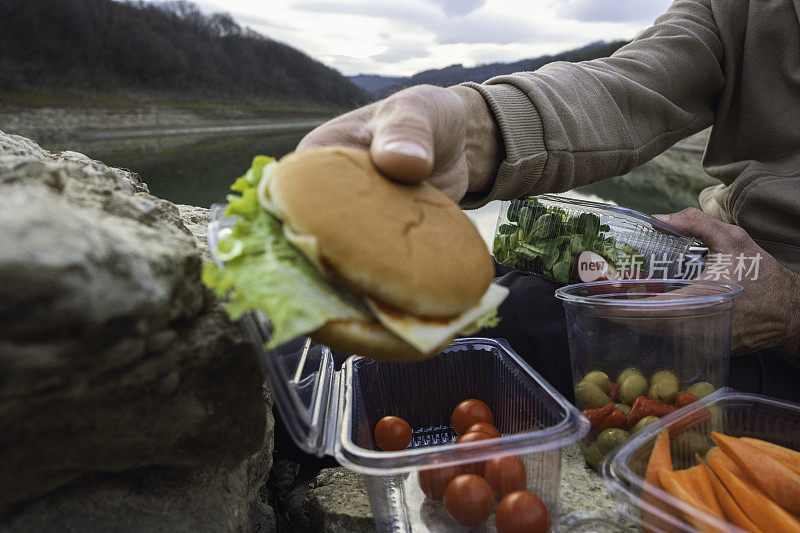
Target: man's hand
(767,315)
(445,135)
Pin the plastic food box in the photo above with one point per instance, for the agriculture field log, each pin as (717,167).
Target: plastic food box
(334,412)
(547,236)
(674,329)
(732,413)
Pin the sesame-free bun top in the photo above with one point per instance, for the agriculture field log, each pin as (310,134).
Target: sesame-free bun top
(407,246)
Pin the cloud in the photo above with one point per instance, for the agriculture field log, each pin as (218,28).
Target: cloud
(400,51)
(456,8)
(611,10)
(468,28)
(349,64)
(490,29)
(385,10)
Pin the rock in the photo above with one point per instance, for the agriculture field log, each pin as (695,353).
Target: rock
(153,499)
(115,359)
(336,501)
(583,494)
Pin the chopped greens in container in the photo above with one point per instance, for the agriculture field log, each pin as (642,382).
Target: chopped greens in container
(547,241)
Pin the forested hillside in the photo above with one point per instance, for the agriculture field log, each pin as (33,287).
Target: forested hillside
(168,49)
(384,85)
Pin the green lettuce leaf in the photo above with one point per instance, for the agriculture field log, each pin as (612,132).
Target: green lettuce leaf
(487,320)
(264,272)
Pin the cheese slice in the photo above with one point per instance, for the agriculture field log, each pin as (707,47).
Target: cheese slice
(425,335)
(262,191)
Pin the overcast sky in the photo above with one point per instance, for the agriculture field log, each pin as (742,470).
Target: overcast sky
(401,37)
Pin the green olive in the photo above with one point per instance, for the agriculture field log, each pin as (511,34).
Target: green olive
(688,443)
(664,391)
(610,438)
(628,371)
(717,418)
(631,387)
(663,375)
(600,379)
(592,454)
(589,396)
(644,422)
(701,389)
(623,407)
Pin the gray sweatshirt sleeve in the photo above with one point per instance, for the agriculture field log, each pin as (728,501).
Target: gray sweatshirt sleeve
(570,124)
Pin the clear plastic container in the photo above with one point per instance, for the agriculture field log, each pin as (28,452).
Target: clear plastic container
(334,412)
(564,239)
(732,413)
(673,330)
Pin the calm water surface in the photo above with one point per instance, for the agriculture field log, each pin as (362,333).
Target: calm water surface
(185,169)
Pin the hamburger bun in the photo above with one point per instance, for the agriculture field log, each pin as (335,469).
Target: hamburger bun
(408,246)
(369,338)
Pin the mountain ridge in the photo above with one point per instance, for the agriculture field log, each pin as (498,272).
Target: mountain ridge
(381,86)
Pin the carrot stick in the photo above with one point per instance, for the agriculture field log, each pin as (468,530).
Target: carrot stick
(672,484)
(770,475)
(703,489)
(765,514)
(716,457)
(660,459)
(790,458)
(731,510)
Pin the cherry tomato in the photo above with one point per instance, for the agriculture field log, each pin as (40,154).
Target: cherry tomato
(505,474)
(485,428)
(434,481)
(521,512)
(469,412)
(473,468)
(469,500)
(392,433)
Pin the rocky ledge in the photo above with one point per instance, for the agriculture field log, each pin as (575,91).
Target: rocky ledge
(128,401)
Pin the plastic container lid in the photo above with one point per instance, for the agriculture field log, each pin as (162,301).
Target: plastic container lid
(314,400)
(546,235)
(645,295)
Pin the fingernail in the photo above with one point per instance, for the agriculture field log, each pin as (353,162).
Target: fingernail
(662,218)
(408,148)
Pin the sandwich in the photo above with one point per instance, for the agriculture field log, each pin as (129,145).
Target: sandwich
(327,247)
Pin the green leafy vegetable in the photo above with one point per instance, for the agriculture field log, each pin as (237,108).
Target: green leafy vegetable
(264,272)
(547,240)
(487,320)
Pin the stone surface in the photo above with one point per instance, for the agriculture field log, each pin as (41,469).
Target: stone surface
(583,493)
(123,385)
(336,501)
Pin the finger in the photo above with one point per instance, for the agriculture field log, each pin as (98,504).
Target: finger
(402,146)
(712,232)
(351,129)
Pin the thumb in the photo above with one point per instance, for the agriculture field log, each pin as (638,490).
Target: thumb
(402,143)
(698,224)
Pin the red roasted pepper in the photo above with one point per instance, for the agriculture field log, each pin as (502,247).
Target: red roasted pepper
(617,419)
(613,392)
(686,398)
(596,416)
(644,406)
(699,418)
